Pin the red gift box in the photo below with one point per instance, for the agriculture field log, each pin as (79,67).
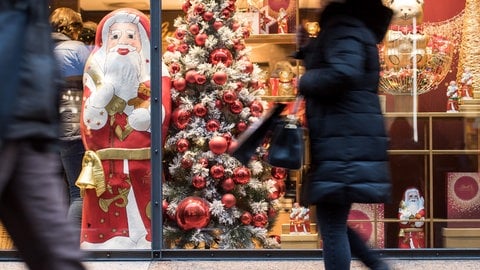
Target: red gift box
(463,198)
(365,219)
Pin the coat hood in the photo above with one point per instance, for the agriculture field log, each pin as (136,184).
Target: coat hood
(372,13)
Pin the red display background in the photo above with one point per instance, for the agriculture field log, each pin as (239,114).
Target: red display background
(436,11)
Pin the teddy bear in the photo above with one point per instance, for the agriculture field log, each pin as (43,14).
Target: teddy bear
(399,40)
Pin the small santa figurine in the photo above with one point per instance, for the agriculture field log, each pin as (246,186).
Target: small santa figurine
(466,83)
(299,219)
(453,97)
(412,220)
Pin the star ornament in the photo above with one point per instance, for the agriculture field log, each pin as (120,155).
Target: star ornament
(266,20)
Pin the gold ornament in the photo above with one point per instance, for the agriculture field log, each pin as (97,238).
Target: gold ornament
(469,54)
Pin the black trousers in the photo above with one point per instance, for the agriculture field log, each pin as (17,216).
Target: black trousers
(33,207)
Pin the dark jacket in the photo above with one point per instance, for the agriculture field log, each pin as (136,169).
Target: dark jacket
(71,56)
(34,107)
(349,160)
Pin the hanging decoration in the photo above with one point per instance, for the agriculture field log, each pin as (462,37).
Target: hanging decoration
(415,55)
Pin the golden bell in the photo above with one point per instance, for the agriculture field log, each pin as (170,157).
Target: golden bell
(401,233)
(85,179)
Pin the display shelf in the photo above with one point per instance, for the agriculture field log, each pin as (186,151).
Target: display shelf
(279,98)
(271,39)
(448,142)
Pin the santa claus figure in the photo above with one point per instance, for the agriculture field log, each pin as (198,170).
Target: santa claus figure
(116,126)
(412,220)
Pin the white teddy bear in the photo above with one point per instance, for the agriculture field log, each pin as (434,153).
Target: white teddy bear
(405,29)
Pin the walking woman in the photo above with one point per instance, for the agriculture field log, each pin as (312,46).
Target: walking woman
(349,161)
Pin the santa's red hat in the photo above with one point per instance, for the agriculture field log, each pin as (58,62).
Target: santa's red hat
(124,15)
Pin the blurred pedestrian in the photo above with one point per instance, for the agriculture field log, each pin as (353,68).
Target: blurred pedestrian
(87,35)
(71,55)
(349,160)
(32,195)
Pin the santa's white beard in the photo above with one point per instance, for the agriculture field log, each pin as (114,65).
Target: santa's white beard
(413,207)
(123,72)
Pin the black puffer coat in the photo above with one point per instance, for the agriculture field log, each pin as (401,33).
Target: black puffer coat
(346,126)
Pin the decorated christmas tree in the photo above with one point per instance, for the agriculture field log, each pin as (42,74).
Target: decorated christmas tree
(211,200)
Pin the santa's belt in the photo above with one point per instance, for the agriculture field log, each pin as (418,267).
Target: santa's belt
(124,153)
(92,175)
(407,230)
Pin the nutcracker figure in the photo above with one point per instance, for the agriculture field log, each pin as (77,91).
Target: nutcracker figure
(116,178)
(412,220)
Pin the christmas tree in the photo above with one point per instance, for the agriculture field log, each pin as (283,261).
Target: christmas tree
(211,200)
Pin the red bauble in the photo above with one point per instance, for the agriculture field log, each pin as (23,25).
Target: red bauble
(200,39)
(199,182)
(171,47)
(182,145)
(242,126)
(272,212)
(219,78)
(190,76)
(248,67)
(218,145)
(280,189)
(174,68)
(180,118)
(217,171)
(239,86)
(200,79)
(229,200)
(246,218)
(183,48)
(199,9)
(279,173)
(226,13)
(186,163)
(207,16)
(221,56)
(194,29)
(236,107)
(229,96)
(203,162)
(256,108)
(241,175)
(186,6)
(179,84)
(218,104)
(227,137)
(164,208)
(239,46)
(228,184)
(200,110)
(213,125)
(217,25)
(180,34)
(193,213)
(260,220)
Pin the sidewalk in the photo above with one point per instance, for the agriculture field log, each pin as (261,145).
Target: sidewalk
(260,265)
